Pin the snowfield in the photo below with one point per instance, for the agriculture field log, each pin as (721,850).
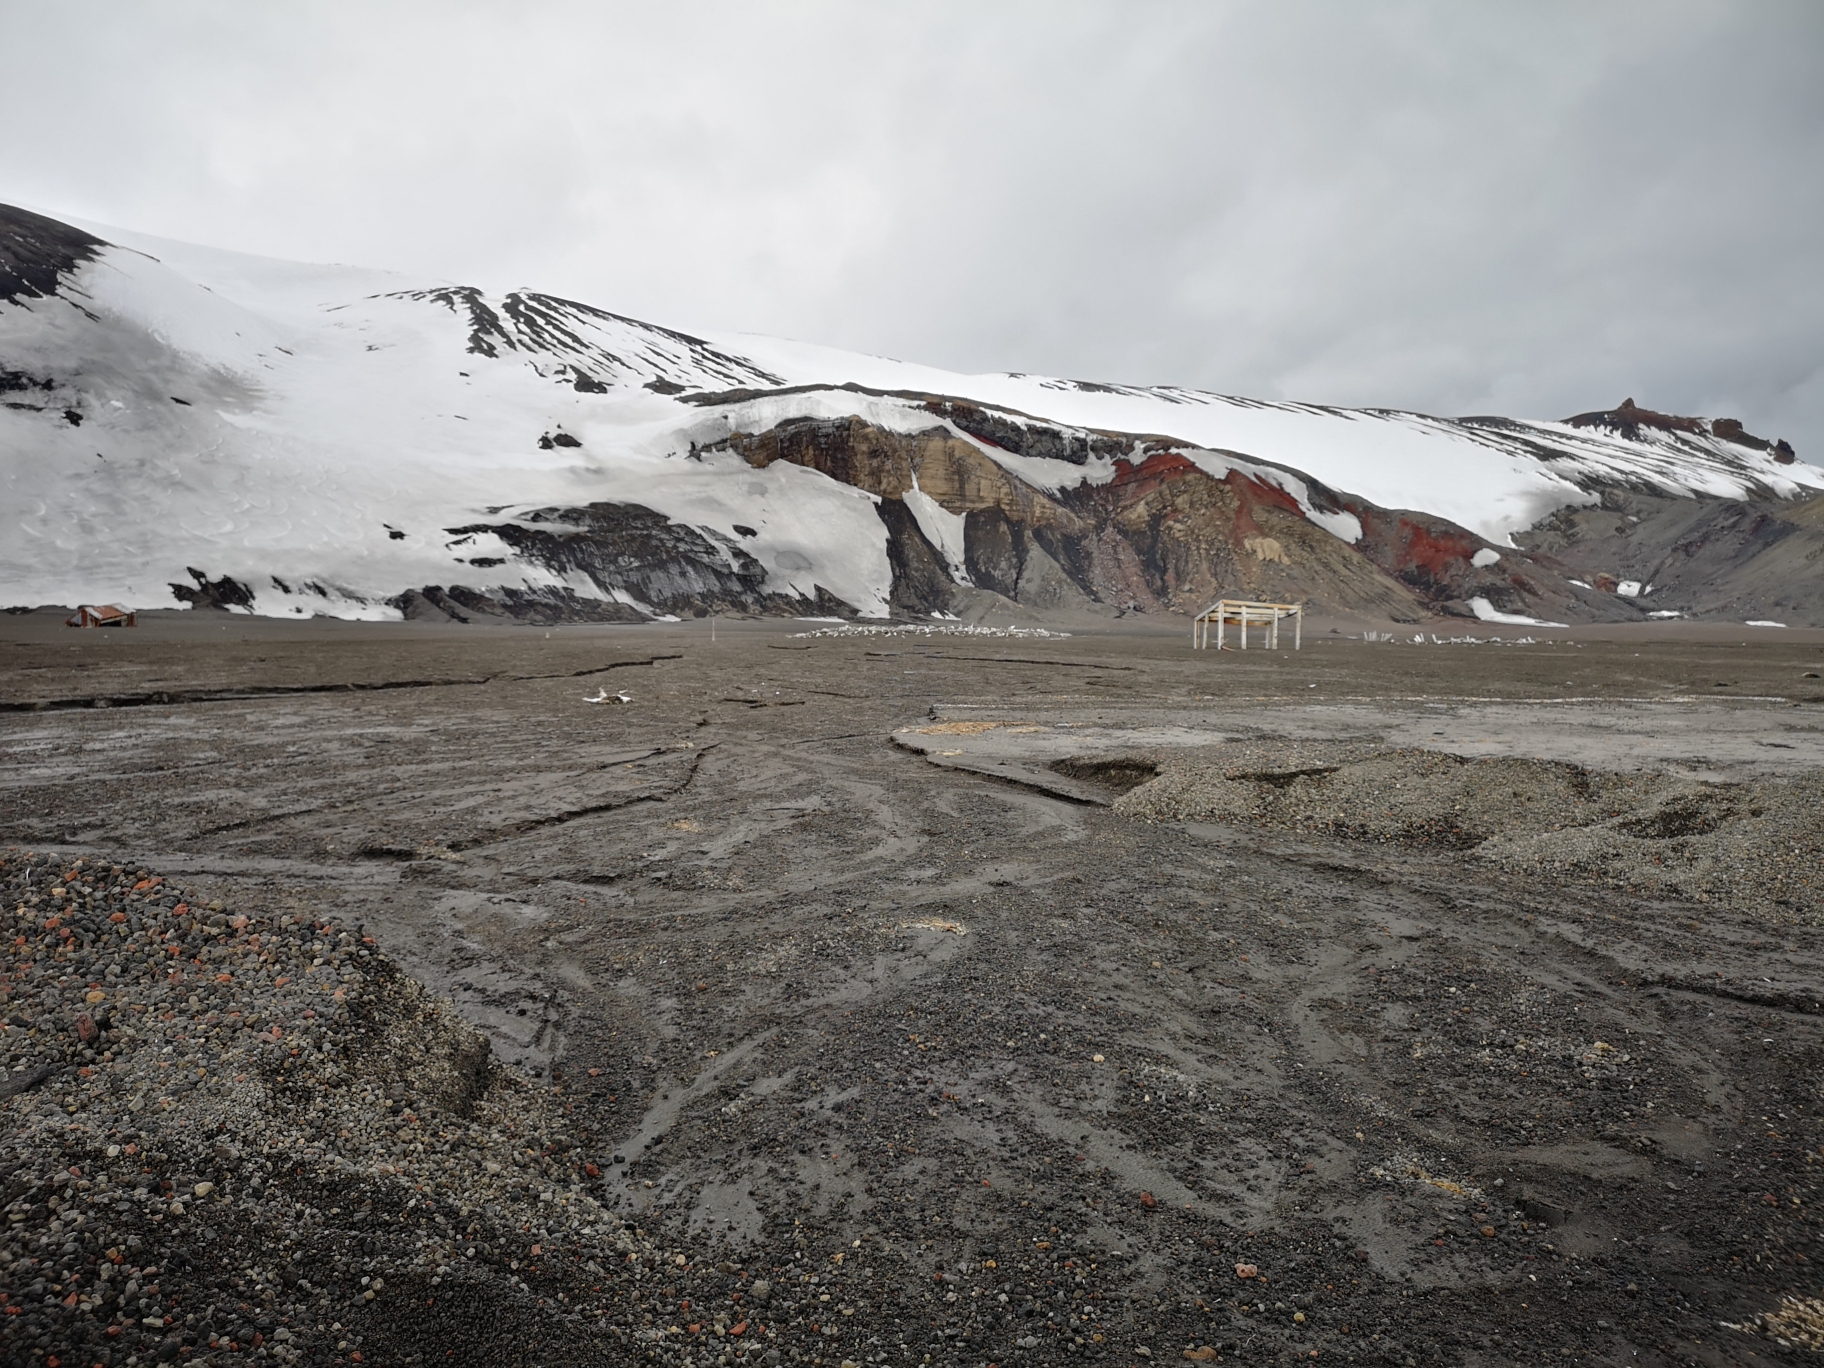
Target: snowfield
(325,435)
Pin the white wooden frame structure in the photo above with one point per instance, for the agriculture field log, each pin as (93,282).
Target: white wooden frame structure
(1245,612)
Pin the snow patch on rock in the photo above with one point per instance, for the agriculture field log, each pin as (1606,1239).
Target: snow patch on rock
(1487,612)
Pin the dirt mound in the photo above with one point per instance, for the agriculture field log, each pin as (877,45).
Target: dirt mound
(1754,847)
(228,1139)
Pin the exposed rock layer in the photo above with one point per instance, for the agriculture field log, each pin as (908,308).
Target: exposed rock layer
(1163,533)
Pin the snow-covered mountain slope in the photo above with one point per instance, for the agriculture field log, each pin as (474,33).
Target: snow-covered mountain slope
(300,425)
(288,438)
(1493,476)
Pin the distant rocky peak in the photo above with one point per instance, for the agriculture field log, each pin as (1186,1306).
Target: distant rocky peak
(587,348)
(1628,418)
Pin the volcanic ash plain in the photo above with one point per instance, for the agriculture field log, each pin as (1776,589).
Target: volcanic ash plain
(371,996)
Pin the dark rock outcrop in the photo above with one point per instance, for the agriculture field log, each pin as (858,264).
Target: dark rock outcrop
(563,337)
(666,566)
(1628,419)
(921,583)
(1007,429)
(994,549)
(224,593)
(538,607)
(36,252)
(1024,437)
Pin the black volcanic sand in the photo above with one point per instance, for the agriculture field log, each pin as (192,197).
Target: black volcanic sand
(406,1008)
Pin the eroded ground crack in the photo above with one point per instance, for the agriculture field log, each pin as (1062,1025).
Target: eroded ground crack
(241,693)
(507,832)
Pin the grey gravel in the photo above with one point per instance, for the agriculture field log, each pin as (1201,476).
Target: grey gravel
(234,1141)
(1755,847)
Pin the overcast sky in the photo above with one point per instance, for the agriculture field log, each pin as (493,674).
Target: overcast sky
(1526,208)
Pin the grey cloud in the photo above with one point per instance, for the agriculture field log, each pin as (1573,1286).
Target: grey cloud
(1455,207)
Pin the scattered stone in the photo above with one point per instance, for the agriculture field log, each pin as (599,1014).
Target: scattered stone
(1796,1323)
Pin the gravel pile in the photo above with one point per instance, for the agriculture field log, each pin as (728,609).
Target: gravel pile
(226,1141)
(1756,848)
